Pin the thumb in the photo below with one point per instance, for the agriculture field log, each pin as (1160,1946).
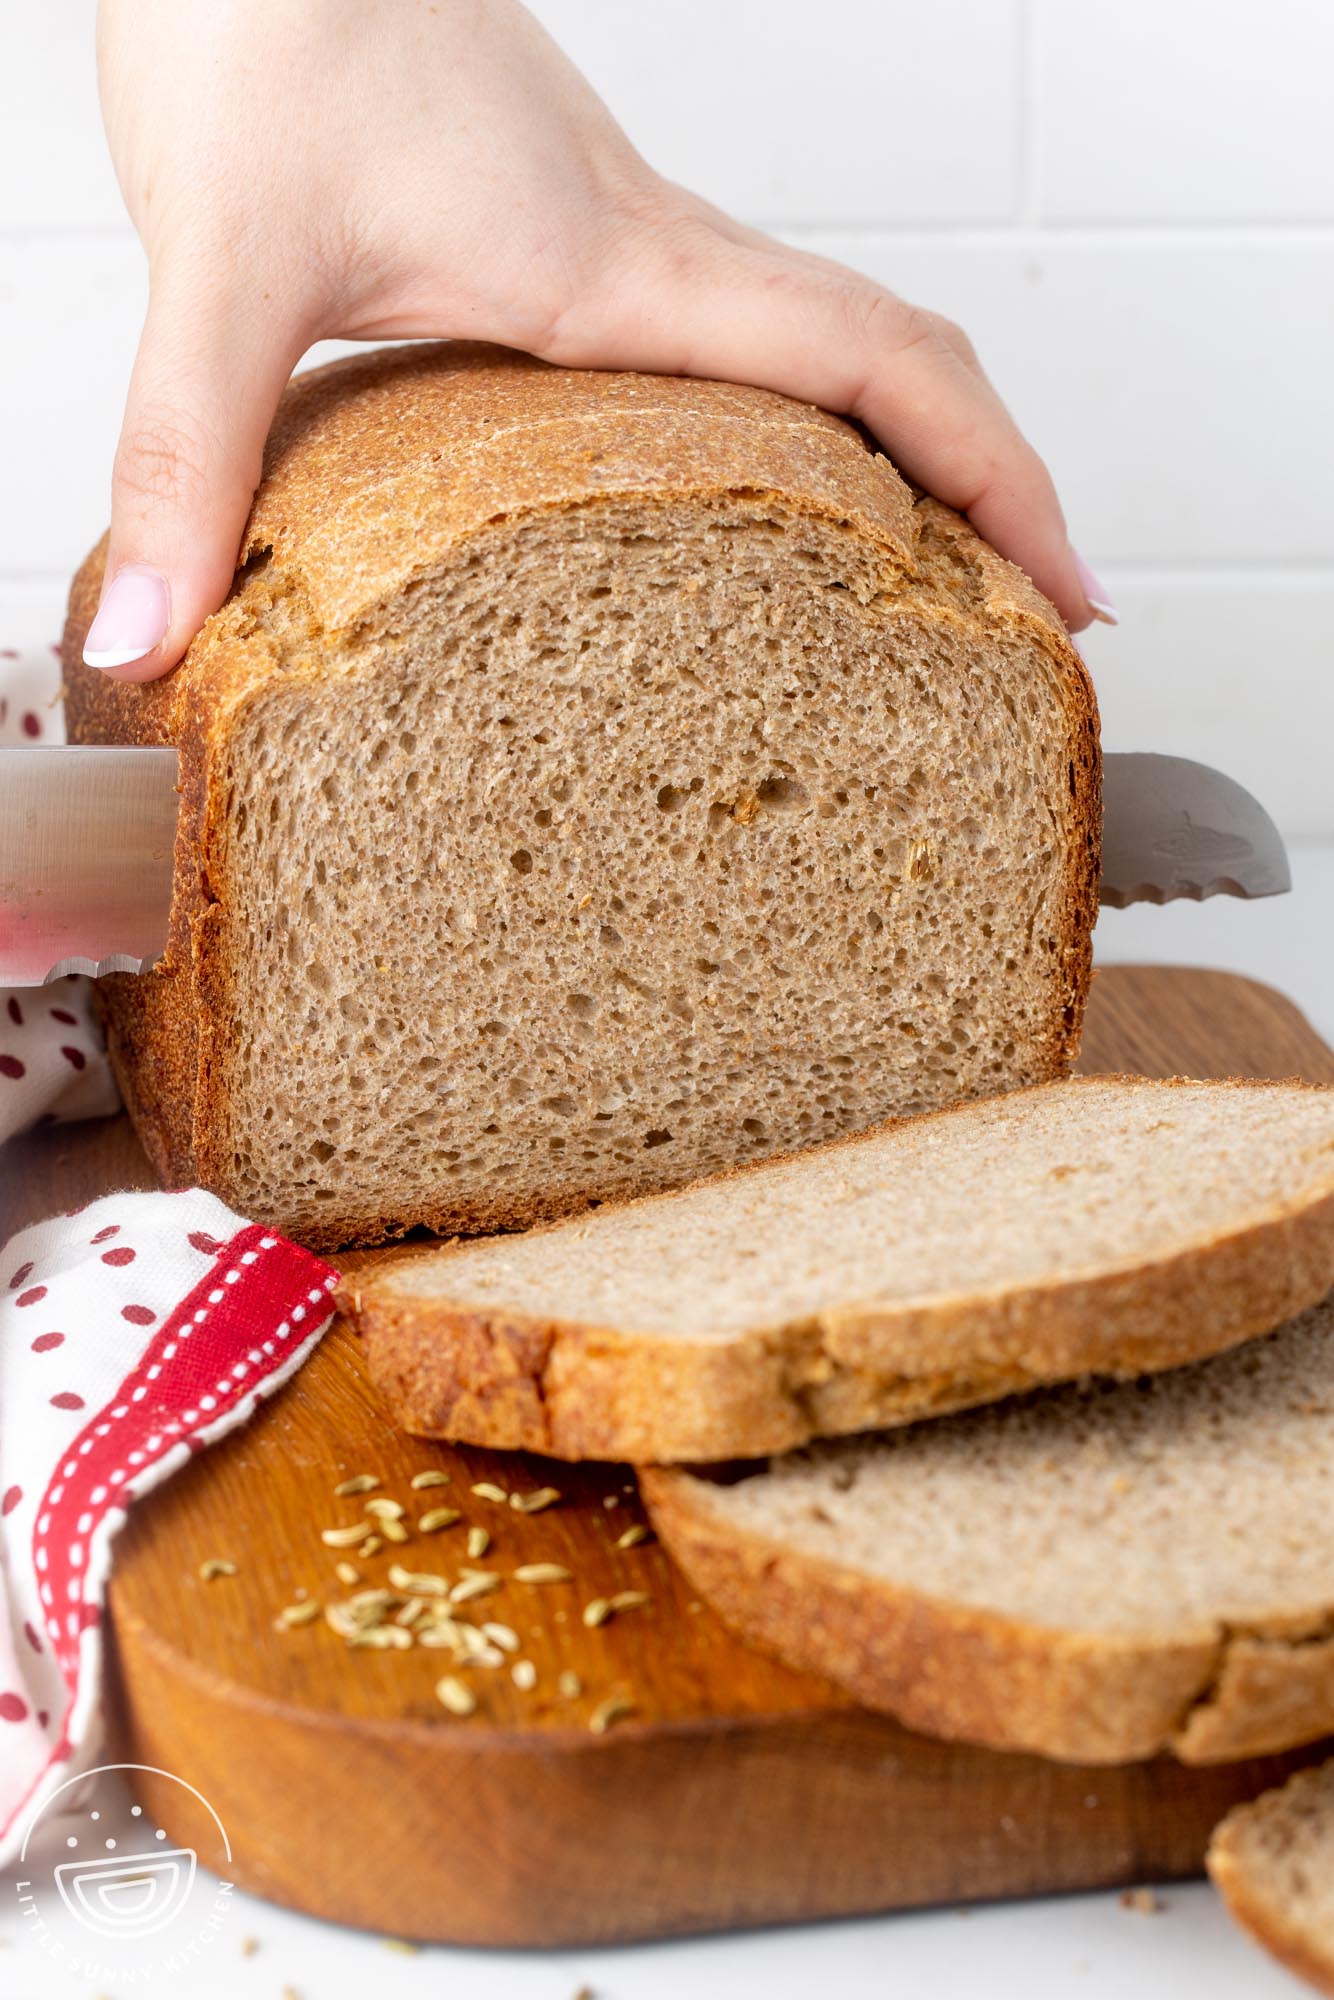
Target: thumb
(205,385)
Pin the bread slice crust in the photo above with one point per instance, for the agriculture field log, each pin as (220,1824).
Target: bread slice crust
(574,1390)
(1272,1923)
(519,442)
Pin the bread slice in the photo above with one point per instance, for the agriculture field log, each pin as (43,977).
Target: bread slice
(592,781)
(1101,1224)
(1273,1860)
(1097,1573)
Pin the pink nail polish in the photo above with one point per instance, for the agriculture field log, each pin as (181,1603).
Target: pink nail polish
(131,619)
(1099,597)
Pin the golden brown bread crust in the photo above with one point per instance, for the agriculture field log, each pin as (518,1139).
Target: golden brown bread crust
(575,1391)
(1270,1926)
(426,448)
(977,1676)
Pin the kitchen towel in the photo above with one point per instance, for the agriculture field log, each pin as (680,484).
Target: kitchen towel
(133,1332)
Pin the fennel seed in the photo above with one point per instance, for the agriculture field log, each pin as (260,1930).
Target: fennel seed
(543,1573)
(613,1709)
(455,1695)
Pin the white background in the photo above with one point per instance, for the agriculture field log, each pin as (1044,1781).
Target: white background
(1129,204)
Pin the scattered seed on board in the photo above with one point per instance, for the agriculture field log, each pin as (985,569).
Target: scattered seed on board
(382,1638)
(303,1613)
(613,1709)
(524,1675)
(249,1946)
(479,1585)
(385,1509)
(404,1945)
(419,1583)
(486,1489)
(420,1480)
(455,1695)
(596,1612)
(215,1567)
(361,1482)
(370,1547)
(534,1503)
(629,1600)
(394,1531)
(543,1573)
(436,1518)
(611,1500)
(503,1636)
(347,1573)
(478,1542)
(344,1538)
(570,1685)
(632,1537)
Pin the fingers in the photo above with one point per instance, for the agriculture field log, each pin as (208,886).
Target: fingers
(205,385)
(750,310)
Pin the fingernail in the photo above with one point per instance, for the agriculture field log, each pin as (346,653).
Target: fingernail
(131,619)
(1099,597)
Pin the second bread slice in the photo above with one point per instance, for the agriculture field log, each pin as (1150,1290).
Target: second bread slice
(1097,1573)
(1106,1225)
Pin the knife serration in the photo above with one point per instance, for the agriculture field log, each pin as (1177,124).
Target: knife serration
(87,837)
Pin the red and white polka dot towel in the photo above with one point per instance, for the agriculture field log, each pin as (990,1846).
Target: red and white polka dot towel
(132,1333)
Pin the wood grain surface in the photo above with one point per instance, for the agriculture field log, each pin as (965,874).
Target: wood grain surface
(735,1793)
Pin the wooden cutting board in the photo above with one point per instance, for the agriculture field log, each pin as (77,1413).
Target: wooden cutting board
(736,1793)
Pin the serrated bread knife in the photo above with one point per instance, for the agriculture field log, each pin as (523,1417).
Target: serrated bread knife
(86,840)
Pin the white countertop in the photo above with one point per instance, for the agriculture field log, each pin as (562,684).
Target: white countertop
(1089,1945)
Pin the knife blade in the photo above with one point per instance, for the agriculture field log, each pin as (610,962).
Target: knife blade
(86,840)
(1173,828)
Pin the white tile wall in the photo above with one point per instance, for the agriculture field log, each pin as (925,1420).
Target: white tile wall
(814,111)
(1128,203)
(1199,111)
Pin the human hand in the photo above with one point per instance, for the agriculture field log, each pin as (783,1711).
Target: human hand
(383,169)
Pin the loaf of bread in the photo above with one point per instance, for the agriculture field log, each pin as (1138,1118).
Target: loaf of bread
(1273,1860)
(1097,1573)
(1100,1224)
(592,781)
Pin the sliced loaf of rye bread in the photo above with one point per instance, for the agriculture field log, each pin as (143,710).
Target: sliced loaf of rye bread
(592,781)
(1096,1573)
(1101,1224)
(1273,1860)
